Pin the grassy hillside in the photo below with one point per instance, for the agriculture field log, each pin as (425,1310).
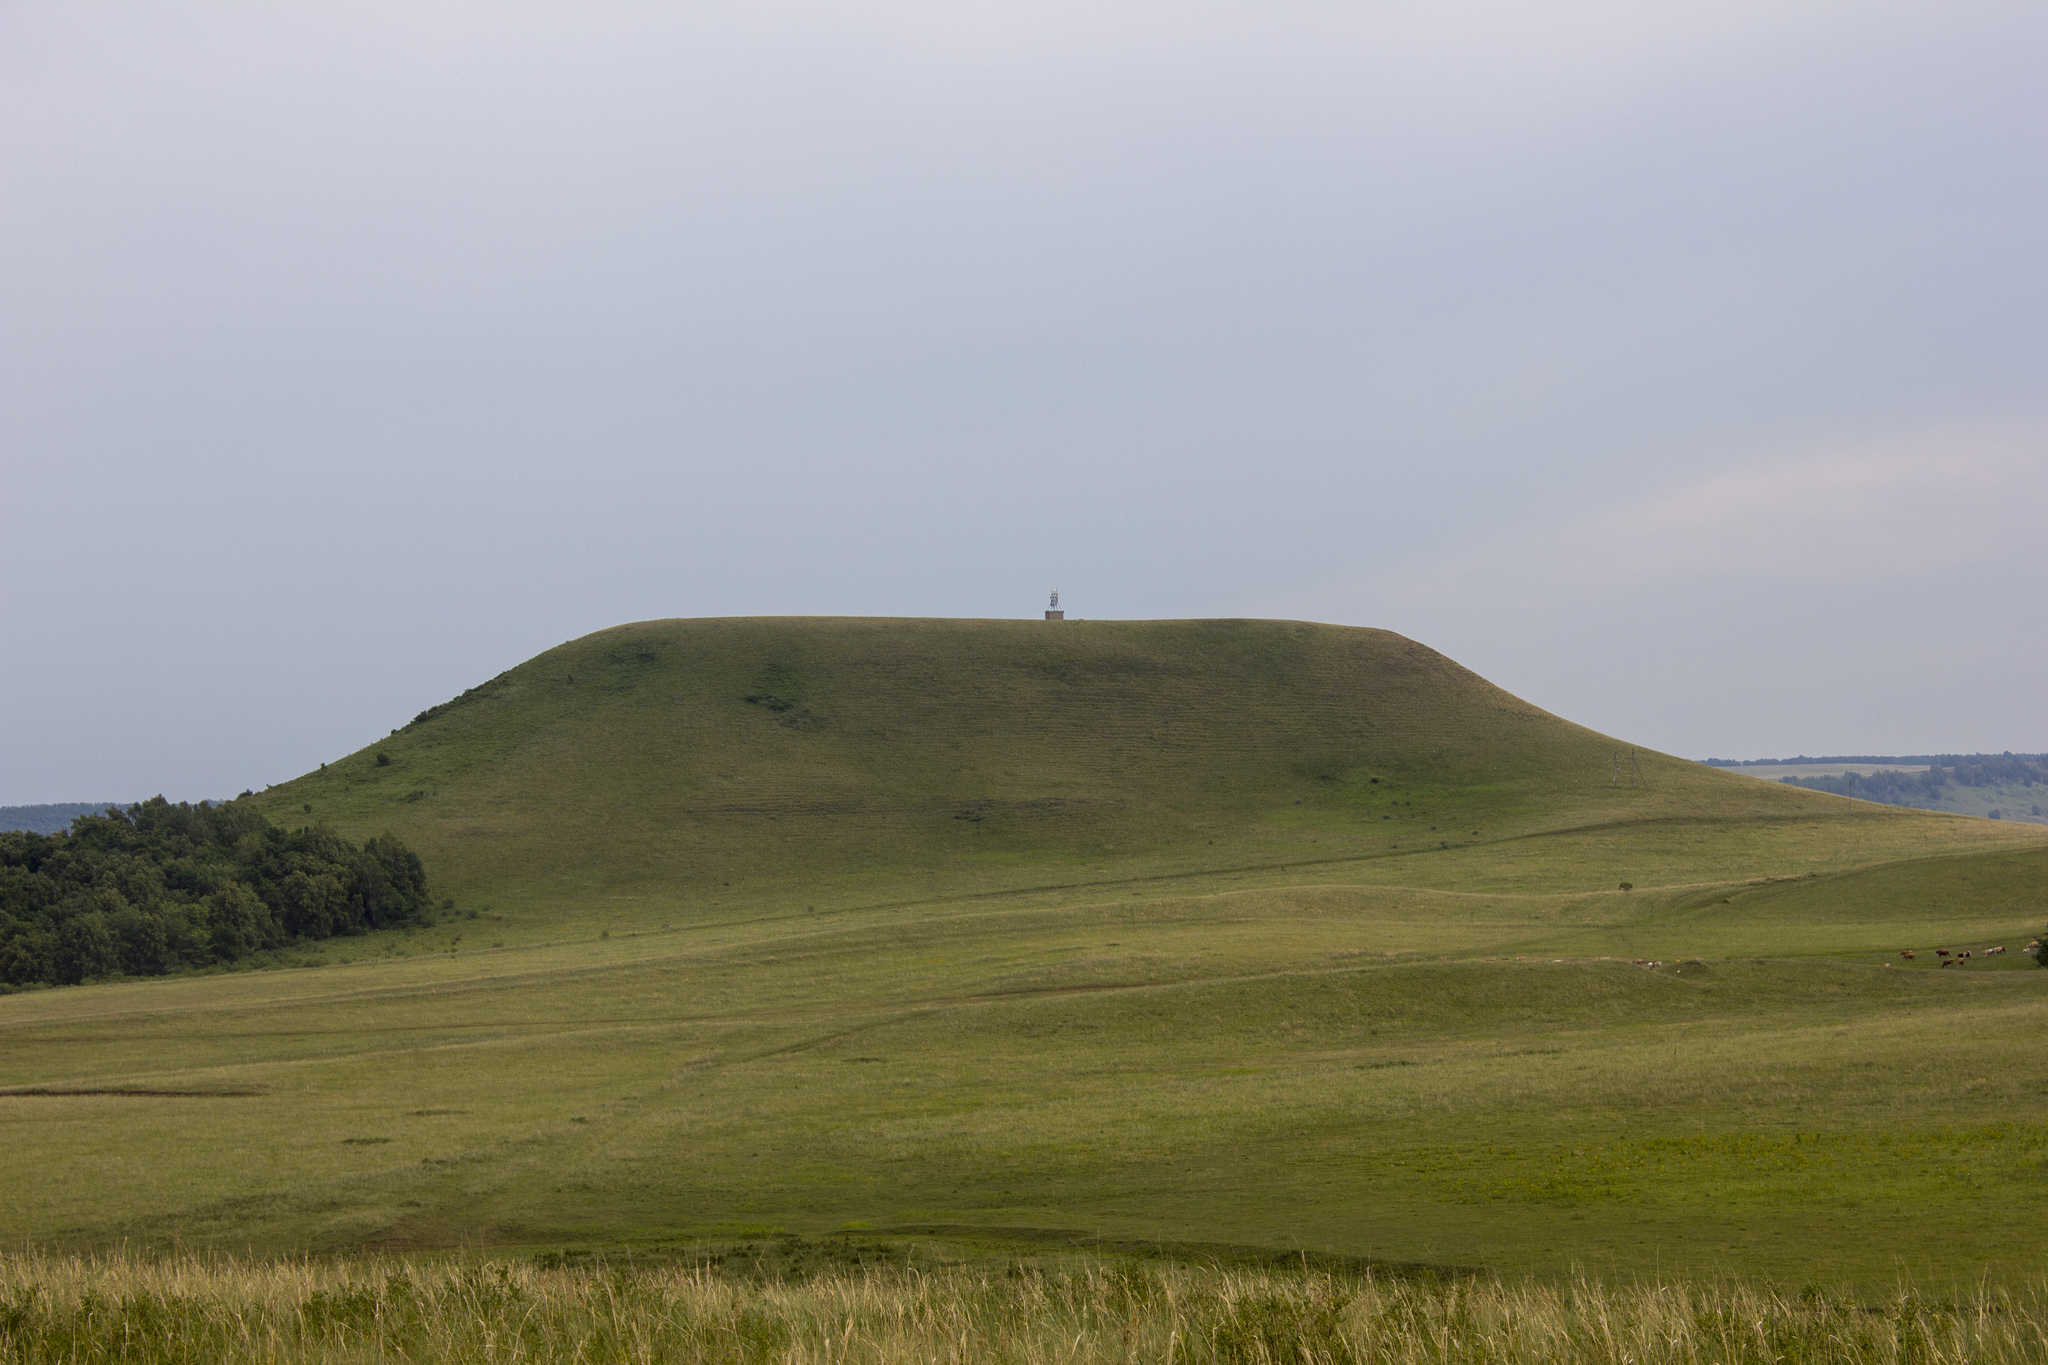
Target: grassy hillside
(626,777)
(1016,935)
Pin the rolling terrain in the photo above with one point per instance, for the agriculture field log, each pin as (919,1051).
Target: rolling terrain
(51,818)
(2004,786)
(1256,935)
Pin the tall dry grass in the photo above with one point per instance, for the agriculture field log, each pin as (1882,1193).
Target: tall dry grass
(223,1312)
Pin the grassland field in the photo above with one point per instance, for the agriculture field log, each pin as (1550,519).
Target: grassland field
(1022,939)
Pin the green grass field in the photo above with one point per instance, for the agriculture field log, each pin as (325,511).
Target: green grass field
(1238,937)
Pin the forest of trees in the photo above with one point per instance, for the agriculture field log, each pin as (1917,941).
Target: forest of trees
(160,887)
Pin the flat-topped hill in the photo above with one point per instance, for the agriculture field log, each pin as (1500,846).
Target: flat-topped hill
(870,757)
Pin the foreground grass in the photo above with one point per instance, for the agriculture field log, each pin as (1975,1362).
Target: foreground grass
(177,1310)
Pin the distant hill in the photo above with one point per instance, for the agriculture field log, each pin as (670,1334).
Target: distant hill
(2005,786)
(1881,760)
(51,819)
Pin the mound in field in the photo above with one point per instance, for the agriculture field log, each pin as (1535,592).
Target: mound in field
(701,754)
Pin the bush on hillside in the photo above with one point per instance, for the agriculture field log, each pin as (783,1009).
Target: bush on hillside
(159,887)
(477,693)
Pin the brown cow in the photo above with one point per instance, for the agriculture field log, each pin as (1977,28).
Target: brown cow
(1906,953)
(1941,952)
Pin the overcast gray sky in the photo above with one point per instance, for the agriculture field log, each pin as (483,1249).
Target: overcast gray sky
(1683,369)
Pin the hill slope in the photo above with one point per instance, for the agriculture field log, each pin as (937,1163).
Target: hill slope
(660,763)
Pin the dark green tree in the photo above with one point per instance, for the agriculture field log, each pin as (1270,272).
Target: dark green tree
(161,886)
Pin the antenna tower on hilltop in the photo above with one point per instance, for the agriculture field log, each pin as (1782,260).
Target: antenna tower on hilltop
(1053,613)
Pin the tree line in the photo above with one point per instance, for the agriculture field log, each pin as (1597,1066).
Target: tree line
(160,887)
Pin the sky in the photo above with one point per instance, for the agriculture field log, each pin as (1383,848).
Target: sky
(1681,368)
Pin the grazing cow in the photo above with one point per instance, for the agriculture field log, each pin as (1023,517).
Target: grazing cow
(1948,962)
(1906,953)
(1941,952)
(1966,954)
(1999,951)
